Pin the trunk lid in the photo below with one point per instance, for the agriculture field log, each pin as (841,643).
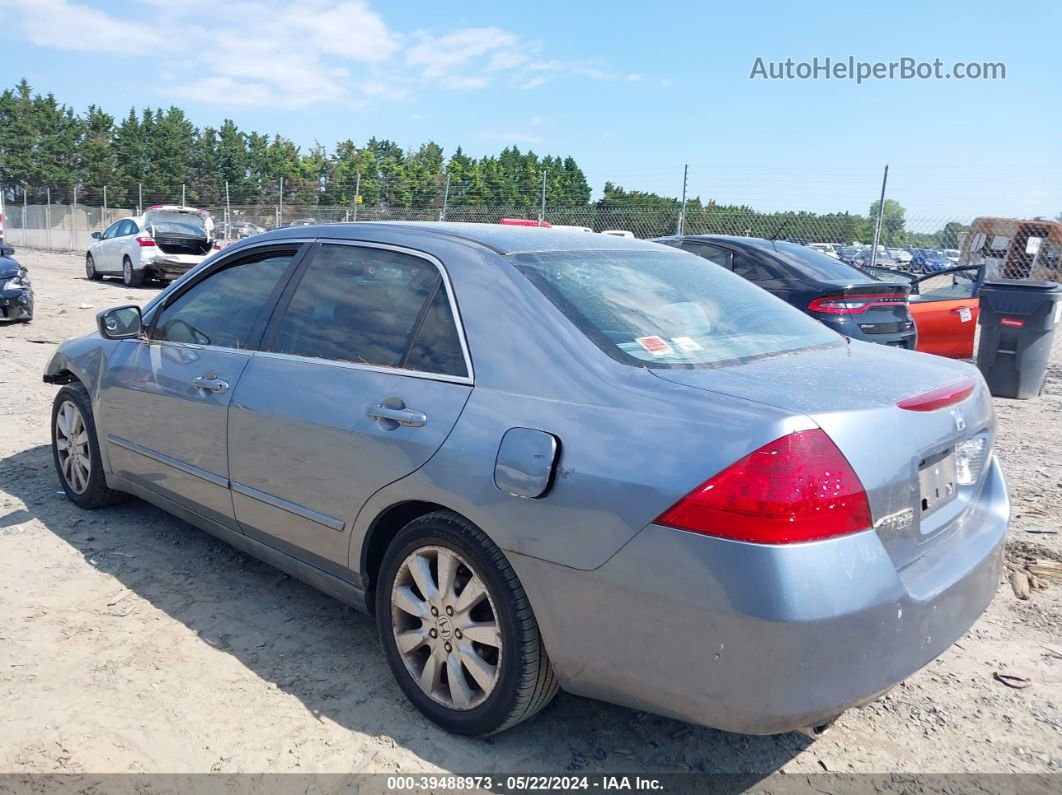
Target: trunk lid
(851,391)
(180,230)
(877,307)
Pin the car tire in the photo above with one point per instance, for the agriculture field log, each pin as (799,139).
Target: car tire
(76,451)
(90,269)
(130,277)
(507,676)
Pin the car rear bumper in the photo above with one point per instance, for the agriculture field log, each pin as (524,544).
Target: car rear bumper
(170,267)
(850,327)
(759,639)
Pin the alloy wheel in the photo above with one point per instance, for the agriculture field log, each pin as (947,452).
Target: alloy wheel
(72,447)
(446,627)
(90,267)
(127,272)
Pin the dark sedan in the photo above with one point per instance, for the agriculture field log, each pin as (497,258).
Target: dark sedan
(16,292)
(838,294)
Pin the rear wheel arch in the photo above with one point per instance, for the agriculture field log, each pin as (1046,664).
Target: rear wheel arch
(383,530)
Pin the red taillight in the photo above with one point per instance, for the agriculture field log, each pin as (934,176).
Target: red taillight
(797,488)
(939,398)
(853,304)
(145,241)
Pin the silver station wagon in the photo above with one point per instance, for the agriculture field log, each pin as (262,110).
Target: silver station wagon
(549,459)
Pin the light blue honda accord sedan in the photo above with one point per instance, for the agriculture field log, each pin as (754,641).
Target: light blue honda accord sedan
(552,459)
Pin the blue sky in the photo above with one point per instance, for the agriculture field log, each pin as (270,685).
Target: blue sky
(632,90)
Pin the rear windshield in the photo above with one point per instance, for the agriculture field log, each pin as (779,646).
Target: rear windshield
(810,261)
(669,309)
(177,228)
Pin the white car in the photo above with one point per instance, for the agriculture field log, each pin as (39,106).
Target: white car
(900,255)
(619,233)
(825,248)
(163,243)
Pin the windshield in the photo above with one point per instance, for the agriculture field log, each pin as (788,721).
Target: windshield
(669,309)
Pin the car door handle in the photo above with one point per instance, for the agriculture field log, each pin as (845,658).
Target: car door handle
(408,417)
(215,385)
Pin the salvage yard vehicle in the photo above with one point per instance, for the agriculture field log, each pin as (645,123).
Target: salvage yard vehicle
(164,243)
(838,294)
(1008,248)
(545,459)
(16,292)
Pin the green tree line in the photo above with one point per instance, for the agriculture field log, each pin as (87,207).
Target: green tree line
(47,146)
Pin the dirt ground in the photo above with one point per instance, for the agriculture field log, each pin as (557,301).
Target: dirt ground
(132,642)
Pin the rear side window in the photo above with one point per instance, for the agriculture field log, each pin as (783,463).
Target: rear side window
(712,253)
(666,309)
(372,306)
(752,269)
(223,309)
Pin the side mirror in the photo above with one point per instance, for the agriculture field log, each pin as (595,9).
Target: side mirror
(97,235)
(120,323)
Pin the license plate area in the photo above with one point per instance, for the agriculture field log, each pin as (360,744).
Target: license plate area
(937,481)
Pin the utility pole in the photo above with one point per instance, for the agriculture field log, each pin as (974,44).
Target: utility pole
(682,208)
(73,220)
(446,198)
(357,196)
(25,213)
(48,216)
(542,204)
(877,223)
(280,212)
(140,198)
(103,214)
(228,212)
(182,195)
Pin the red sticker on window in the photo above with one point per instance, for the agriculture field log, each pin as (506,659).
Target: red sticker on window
(1013,322)
(655,345)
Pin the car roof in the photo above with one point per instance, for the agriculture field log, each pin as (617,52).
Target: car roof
(500,238)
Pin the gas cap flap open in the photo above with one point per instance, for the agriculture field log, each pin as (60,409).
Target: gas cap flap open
(526,461)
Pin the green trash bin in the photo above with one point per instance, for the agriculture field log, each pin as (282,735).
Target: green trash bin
(1018,321)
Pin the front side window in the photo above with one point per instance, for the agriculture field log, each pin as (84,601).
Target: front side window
(224,308)
(667,310)
(372,306)
(947,286)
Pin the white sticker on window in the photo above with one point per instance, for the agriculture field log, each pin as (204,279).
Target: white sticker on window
(965,315)
(690,345)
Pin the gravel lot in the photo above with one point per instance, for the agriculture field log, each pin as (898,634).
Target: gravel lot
(130,641)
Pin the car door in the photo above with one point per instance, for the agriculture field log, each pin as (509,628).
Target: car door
(164,399)
(363,373)
(945,307)
(103,251)
(126,244)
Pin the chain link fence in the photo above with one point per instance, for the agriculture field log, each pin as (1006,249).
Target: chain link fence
(68,226)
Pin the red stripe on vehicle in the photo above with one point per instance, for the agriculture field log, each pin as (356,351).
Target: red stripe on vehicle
(938,398)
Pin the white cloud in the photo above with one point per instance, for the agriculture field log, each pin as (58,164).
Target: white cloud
(70,26)
(462,82)
(438,55)
(290,53)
